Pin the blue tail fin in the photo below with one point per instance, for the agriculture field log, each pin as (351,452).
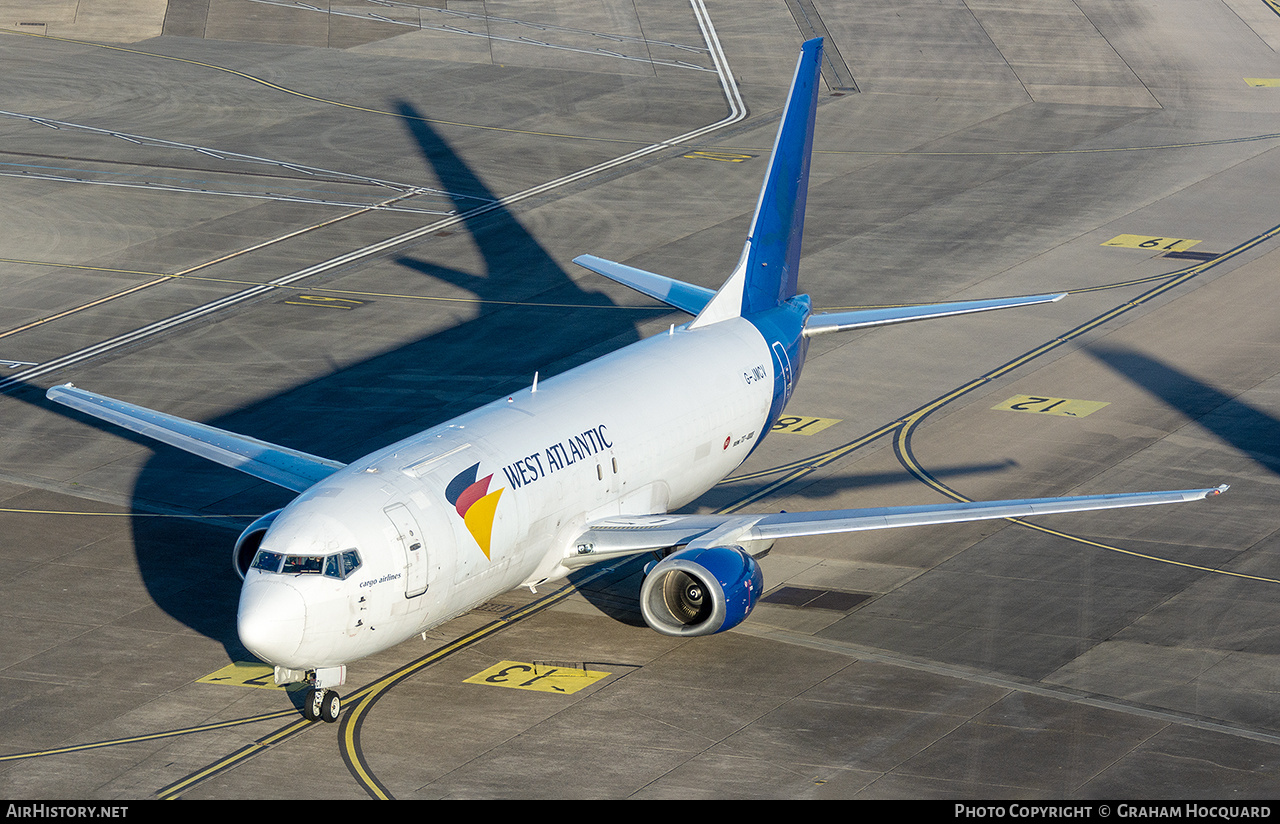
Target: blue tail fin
(766,273)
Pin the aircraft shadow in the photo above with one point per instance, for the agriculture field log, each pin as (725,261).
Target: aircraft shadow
(348,413)
(1231,420)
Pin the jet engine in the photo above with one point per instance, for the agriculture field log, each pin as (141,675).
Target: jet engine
(701,591)
(249,541)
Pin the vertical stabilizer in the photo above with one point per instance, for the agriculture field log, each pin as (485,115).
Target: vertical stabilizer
(766,273)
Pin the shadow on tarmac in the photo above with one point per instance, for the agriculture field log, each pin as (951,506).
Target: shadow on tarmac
(1231,420)
(344,415)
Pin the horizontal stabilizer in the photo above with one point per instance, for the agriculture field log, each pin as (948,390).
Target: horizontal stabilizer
(279,465)
(631,535)
(684,296)
(823,322)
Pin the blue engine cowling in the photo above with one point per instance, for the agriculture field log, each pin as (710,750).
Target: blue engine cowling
(248,542)
(701,591)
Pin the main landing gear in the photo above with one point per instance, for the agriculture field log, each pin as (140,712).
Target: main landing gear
(321,704)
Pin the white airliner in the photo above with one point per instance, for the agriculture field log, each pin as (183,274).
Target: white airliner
(580,468)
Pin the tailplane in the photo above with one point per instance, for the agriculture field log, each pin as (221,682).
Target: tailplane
(766,274)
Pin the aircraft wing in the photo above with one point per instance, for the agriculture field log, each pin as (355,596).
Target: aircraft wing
(822,322)
(280,465)
(685,296)
(631,535)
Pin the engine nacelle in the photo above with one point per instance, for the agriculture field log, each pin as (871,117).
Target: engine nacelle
(701,591)
(249,541)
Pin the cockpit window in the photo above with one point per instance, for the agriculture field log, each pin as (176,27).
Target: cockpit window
(342,564)
(339,565)
(301,564)
(267,561)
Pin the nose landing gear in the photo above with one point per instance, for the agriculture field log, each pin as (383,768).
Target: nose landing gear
(321,704)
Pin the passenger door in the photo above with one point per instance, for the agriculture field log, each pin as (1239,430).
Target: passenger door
(413,543)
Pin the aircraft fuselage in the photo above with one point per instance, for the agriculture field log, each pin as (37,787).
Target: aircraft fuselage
(449,518)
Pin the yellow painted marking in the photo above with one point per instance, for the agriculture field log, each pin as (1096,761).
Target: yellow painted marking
(324,302)
(1162,244)
(727,157)
(538,677)
(244,674)
(798,425)
(1263,81)
(1065,407)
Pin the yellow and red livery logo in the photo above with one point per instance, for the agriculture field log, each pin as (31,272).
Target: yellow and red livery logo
(475,504)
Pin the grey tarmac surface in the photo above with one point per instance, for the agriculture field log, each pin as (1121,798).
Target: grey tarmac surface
(152,162)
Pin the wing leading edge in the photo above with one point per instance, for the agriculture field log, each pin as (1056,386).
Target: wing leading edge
(631,535)
(279,465)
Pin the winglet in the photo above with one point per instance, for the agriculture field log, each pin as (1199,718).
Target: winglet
(766,272)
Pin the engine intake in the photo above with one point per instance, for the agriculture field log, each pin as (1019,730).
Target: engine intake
(701,591)
(249,541)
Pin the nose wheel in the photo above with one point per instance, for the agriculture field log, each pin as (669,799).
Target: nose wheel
(321,704)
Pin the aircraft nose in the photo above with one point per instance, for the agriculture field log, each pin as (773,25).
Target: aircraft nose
(271,620)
